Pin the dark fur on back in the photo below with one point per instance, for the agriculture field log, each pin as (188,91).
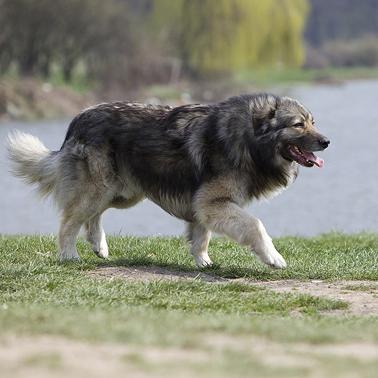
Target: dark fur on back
(172,151)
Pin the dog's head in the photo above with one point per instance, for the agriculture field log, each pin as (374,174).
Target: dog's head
(290,128)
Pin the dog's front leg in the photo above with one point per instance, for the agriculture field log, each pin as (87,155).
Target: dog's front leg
(226,217)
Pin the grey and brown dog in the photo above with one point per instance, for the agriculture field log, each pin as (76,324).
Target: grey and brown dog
(200,163)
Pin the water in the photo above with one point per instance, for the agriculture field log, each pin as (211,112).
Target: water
(343,196)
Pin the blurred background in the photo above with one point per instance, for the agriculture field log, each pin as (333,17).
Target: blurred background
(57,57)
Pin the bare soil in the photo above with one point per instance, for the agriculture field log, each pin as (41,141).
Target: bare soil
(362,296)
(48,356)
(150,273)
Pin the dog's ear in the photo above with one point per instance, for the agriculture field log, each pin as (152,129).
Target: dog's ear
(263,112)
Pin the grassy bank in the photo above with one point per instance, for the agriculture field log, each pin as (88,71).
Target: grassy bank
(326,75)
(30,99)
(253,81)
(33,98)
(39,296)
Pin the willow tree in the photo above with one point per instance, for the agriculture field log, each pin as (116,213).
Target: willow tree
(229,35)
(284,43)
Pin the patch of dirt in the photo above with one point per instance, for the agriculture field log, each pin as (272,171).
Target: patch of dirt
(58,357)
(150,273)
(360,300)
(293,354)
(46,357)
(362,296)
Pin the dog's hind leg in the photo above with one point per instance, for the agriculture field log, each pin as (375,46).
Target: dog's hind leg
(83,191)
(199,238)
(96,236)
(77,210)
(69,229)
(74,216)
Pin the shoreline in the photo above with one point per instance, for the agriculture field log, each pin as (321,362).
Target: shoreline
(31,99)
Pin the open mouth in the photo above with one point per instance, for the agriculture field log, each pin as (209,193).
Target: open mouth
(305,158)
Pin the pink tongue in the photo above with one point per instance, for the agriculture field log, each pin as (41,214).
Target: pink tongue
(312,157)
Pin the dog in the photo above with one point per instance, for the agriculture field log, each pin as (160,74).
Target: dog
(200,163)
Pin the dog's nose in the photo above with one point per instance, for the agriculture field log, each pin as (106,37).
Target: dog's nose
(324,143)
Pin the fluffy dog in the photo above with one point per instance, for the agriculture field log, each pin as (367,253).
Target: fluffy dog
(200,163)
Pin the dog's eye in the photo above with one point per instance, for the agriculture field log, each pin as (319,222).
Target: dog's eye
(298,124)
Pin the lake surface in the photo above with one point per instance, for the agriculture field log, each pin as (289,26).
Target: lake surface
(342,196)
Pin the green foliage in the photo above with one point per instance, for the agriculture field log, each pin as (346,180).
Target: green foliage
(221,35)
(130,42)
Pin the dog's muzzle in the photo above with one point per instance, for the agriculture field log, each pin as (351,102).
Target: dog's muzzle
(324,143)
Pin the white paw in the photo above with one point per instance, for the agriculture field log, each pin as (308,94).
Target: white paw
(100,247)
(102,252)
(203,261)
(275,261)
(268,254)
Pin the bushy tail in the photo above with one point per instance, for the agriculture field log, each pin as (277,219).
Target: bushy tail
(32,161)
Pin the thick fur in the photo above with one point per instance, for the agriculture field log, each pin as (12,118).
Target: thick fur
(200,163)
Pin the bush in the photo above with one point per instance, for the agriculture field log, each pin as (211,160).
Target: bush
(362,52)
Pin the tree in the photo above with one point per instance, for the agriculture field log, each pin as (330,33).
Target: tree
(36,34)
(228,35)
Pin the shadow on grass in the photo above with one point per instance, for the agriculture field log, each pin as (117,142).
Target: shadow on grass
(215,273)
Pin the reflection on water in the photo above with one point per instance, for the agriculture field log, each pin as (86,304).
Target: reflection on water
(342,196)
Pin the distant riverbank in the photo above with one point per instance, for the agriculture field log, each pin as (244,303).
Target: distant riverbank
(30,99)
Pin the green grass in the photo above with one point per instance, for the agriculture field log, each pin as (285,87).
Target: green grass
(79,81)
(287,76)
(255,80)
(332,256)
(39,296)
